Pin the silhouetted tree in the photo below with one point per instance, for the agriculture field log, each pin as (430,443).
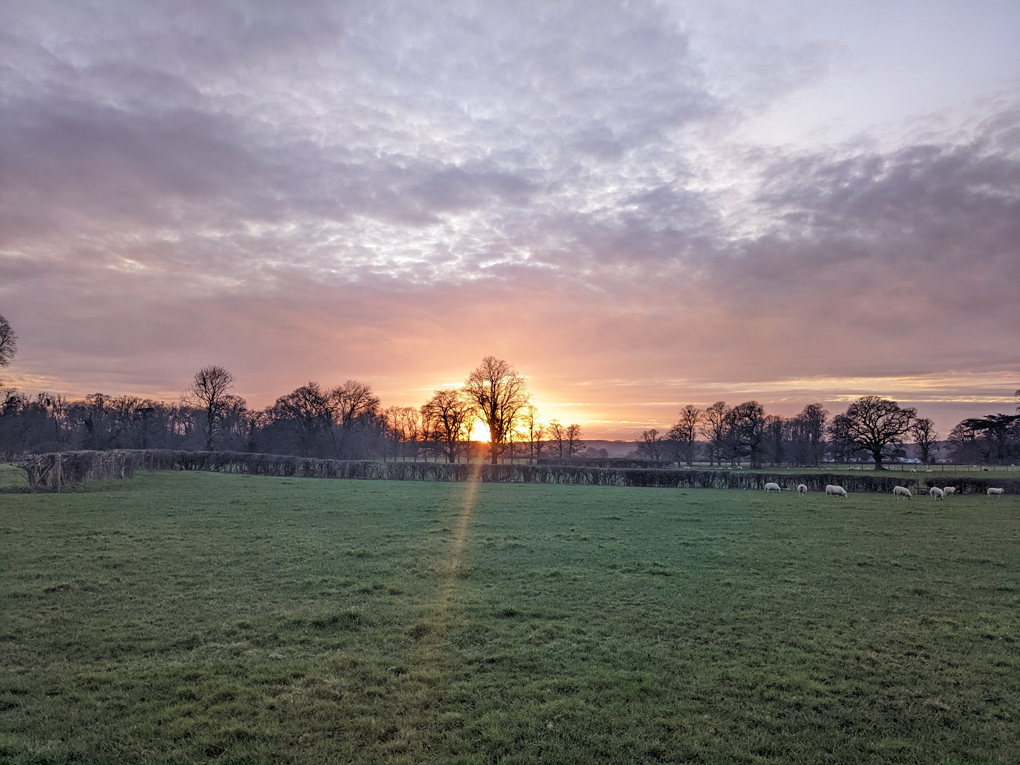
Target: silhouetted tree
(209,391)
(306,415)
(534,429)
(448,418)
(999,434)
(574,442)
(557,436)
(777,436)
(747,431)
(872,424)
(651,444)
(8,342)
(714,426)
(683,436)
(498,395)
(807,435)
(925,436)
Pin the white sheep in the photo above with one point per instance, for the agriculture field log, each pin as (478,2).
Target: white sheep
(772,487)
(993,492)
(901,491)
(949,490)
(936,492)
(801,488)
(837,491)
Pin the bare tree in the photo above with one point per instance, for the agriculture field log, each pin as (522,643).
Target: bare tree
(538,440)
(351,403)
(498,395)
(651,444)
(925,436)
(872,424)
(574,442)
(683,436)
(777,432)
(714,425)
(307,411)
(209,391)
(747,431)
(405,425)
(8,343)
(558,436)
(533,428)
(807,434)
(449,419)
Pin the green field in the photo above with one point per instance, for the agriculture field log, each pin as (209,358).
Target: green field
(196,617)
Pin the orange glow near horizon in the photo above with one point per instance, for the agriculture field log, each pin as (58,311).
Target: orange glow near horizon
(480,432)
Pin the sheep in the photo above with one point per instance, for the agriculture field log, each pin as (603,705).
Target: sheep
(993,492)
(837,491)
(949,490)
(936,492)
(801,489)
(901,491)
(772,487)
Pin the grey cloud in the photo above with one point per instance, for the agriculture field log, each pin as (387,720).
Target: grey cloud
(346,170)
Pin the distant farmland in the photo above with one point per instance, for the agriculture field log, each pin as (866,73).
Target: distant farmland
(188,617)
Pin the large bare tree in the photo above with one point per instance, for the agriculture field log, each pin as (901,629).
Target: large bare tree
(714,426)
(307,412)
(351,403)
(498,395)
(807,434)
(925,436)
(747,431)
(448,419)
(683,436)
(8,342)
(210,392)
(872,424)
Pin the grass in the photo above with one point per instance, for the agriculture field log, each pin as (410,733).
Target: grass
(187,618)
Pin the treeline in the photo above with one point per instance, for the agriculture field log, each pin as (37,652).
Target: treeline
(342,422)
(347,422)
(872,429)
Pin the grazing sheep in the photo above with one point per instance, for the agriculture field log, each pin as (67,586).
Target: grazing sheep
(801,489)
(949,490)
(913,470)
(993,492)
(901,491)
(837,491)
(936,492)
(772,487)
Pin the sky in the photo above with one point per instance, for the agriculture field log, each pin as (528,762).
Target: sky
(639,205)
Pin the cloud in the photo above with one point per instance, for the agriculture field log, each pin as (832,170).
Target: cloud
(393,191)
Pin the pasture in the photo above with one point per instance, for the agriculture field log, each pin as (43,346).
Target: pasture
(199,617)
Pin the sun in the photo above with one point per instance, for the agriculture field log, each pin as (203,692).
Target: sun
(480,432)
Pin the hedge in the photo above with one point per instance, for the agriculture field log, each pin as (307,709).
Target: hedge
(53,471)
